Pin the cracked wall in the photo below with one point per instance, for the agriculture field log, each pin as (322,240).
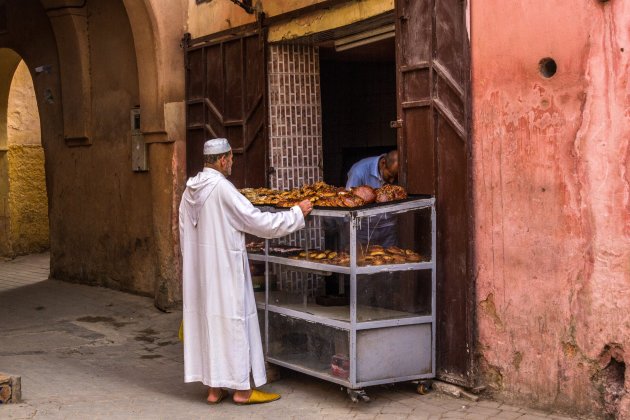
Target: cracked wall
(552,202)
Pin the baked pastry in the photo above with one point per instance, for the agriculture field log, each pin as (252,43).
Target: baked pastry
(378,261)
(389,192)
(351,200)
(288,203)
(387,258)
(366,193)
(398,259)
(394,250)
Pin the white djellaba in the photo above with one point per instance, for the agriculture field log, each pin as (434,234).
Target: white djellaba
(222,342)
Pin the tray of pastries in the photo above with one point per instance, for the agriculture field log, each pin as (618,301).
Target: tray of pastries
(378,255)
(373,255)
(257,247)
(324,257)
(323,195)
(275,249)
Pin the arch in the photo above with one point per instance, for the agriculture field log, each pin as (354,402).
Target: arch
(156,40)
(9,61)
(24,225)
(157,33)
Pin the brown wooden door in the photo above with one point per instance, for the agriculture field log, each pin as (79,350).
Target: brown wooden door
(432,55)
(225,97)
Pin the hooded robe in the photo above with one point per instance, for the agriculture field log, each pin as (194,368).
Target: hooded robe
(222,342)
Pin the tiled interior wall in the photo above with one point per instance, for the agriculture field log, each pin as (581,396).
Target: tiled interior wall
(295,117)
(295,139)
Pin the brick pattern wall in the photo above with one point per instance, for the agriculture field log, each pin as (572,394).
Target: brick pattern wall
(295,117)
(295,139)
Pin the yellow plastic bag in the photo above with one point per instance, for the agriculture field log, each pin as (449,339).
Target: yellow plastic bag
(181,331)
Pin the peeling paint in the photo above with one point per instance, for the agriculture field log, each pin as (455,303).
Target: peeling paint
(552,198)
(487,307)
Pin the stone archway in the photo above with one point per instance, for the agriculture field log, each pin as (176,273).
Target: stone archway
(96,60)
(9,61)
(153,52)
(24,219)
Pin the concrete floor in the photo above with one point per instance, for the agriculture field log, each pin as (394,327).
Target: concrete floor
(90,353)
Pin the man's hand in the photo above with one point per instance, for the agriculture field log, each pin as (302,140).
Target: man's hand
(306,206)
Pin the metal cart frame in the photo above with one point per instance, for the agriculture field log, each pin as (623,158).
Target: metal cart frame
(352,216)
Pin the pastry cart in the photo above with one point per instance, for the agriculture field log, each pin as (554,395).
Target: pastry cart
(339,306)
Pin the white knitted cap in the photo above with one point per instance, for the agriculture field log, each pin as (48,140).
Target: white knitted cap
(216,147)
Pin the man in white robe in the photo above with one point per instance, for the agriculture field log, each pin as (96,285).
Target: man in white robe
(222,341)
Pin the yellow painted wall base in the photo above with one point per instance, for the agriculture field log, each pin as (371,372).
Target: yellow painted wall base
(28,202)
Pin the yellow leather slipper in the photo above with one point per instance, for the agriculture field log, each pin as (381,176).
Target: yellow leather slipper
(259,397)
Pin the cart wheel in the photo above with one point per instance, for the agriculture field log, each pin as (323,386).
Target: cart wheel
(423,388)
(358,394)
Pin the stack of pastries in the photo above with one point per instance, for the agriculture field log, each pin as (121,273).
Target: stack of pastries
(373,255)
(324,195)
(324,257)
(377,255)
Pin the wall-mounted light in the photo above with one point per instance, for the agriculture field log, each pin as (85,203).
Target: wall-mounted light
(364,38)
(47,68)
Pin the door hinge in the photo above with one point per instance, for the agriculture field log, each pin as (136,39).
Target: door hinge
(396,124)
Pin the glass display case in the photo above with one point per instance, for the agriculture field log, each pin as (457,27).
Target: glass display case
(351,298)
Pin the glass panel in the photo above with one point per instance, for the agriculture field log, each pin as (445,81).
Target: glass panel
(392,295)
(254,245)
(315,293)
(394,238)
(312,346)
(323,240)
(261,324)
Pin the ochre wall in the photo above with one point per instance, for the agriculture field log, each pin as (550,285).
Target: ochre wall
(104,209)
(27,200)
(325,19)
(551,186)
(28,37)
(218,15)
(9,61)
(108,225)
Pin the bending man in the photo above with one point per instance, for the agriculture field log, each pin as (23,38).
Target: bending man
(376,171)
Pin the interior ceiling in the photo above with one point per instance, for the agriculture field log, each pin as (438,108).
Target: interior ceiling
(54,4)
(378,51)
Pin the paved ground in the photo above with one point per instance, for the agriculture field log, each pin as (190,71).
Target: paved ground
(92,353)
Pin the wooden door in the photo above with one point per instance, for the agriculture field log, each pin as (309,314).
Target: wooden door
(433,83)
(225,97)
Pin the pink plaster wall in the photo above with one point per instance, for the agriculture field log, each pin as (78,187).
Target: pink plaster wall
(552,201)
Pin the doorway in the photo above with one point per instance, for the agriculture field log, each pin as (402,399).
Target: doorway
(24,221)
(358,88)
